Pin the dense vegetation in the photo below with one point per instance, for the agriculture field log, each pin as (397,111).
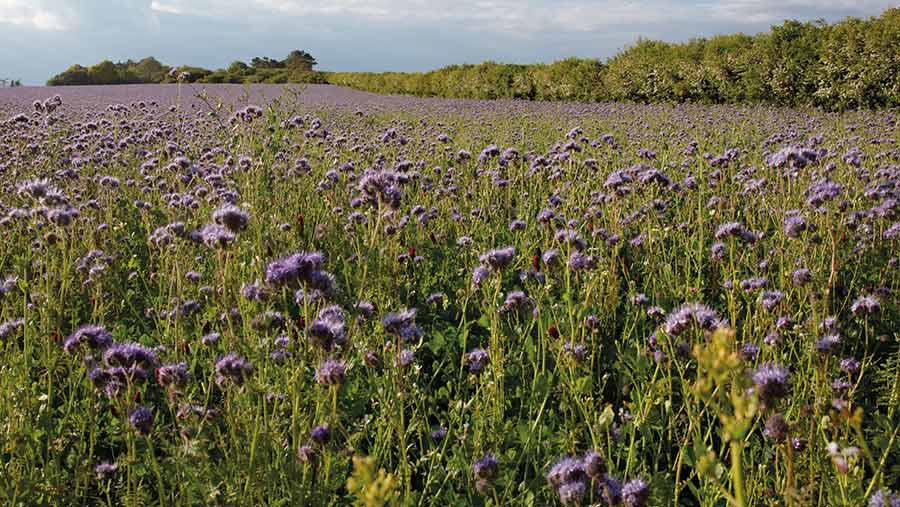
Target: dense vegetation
(851,64)
(297,67)
(418,302)
(10,83)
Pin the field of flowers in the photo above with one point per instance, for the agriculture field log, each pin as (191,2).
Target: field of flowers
(275,296)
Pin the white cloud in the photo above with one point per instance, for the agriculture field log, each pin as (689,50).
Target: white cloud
(167,8)
(37,14)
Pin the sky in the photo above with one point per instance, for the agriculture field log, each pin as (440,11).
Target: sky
(39,38)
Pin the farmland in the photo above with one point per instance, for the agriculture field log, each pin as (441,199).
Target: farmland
(268,295)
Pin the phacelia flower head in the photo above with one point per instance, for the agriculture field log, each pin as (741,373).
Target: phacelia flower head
(331,372)
(865,305)
(95,337)
(233,368)
(635,493)
(172,375)
(772,382)
(498,259)
(477,359)
(215,236)
(141,419)
(233,218)
(884,498)
(691,314)
(320,434)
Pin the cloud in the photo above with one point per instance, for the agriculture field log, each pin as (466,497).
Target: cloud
(35,14)
(524,18)
(167,8)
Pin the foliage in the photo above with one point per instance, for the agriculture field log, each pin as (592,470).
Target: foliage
(851,64)
(295,68)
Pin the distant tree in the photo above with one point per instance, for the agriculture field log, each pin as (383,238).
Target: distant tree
(149,70)
(264,62)
(104,72)
(299,60)
(74,75)
(238,68)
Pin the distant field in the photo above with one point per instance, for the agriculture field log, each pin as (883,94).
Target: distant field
(333,297)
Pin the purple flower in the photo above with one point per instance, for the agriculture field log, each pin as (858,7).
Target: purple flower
(801,276)
(438,434)
(128,355)
(255,292)
(748,352)
(215,236)
(9,327)
(771,382)
(172,375)
(306,454)
(867,304)
(320,434)
(771,298)
(407,357)
(210,339)
(736,230)
(234,368)
(828,343)
(233,218)
(498,259)
(571,238)
(479,275)
(331,372)
(577,351)
(794,225)
(141,419)
(772,339)
(581,262)
(486,468)
(327,330)
(105,470)
(688,314)
(849,365)
(293,268)
(884,498)
(635,493)
(572,493)
(95,337)
(394,323)
(751,284)
(517,302)
(776,427)
(594,465)
(610,489)
(568,469)
(783,322)
(477,359)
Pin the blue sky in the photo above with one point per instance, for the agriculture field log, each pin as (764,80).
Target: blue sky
(41,37)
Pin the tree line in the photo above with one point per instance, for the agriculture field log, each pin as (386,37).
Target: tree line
(296,67)
(854,63)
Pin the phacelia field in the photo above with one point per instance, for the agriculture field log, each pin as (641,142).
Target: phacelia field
(282,296)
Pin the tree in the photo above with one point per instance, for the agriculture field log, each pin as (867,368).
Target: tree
(299,60)
(74,75)
(149,70)
(238,68)
(265,62)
